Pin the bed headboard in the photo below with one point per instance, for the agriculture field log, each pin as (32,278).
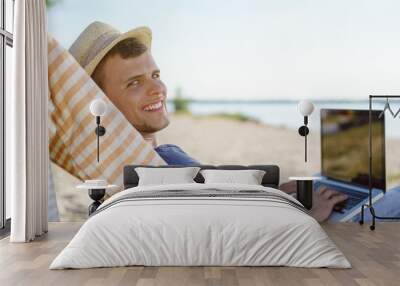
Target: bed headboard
(270,179)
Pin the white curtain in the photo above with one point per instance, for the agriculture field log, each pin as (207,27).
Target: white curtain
(27,115)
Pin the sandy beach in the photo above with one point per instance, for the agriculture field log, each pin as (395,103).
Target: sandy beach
(219,140)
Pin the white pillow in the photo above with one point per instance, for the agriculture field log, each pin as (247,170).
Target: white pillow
(249,177)
(162,176)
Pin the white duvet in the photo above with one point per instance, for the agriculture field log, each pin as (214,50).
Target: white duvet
(200,231)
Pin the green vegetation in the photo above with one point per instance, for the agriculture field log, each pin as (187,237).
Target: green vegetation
(181,104)
(235,116)
(50,3)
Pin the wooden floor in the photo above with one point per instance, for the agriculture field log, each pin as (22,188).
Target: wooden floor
(375,257)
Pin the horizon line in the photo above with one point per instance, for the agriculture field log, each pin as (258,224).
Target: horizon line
(194,100)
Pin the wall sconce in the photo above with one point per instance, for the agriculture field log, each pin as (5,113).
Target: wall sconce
(98,108)
(305,107)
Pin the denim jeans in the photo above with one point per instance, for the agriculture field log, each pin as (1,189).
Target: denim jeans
(387,206)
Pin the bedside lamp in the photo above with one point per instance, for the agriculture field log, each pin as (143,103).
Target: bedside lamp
(305,107)
(98,108)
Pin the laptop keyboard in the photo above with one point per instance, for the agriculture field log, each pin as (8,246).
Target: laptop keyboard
(354,197)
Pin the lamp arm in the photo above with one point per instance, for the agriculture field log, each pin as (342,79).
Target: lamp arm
(98,137)
(305,138)
(98,147)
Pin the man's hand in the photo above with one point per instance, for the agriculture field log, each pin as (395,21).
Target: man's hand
(326,200)
(288,187)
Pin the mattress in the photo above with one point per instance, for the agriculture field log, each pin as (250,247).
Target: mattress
(201,225)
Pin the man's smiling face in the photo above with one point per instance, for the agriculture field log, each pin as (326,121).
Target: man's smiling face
(134,86)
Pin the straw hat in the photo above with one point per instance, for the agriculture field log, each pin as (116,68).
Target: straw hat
(98,39)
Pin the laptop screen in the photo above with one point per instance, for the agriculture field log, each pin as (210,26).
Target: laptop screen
(345,147)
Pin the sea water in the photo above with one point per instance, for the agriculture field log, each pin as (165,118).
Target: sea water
(285,113)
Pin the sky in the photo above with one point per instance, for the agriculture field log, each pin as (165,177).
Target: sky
(257,49)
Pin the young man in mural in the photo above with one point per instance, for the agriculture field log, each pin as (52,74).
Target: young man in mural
(124,68)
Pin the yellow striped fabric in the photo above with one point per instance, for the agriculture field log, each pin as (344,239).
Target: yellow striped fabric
(73,143)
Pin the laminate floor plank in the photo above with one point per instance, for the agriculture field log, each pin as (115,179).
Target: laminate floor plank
(374,255)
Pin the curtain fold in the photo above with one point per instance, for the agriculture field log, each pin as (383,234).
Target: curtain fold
(27,142)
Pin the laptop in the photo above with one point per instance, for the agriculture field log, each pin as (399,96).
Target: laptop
(345,160)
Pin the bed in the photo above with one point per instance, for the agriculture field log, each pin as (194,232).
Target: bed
(201,224)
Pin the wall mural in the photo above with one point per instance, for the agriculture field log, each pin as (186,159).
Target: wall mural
(187,83)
